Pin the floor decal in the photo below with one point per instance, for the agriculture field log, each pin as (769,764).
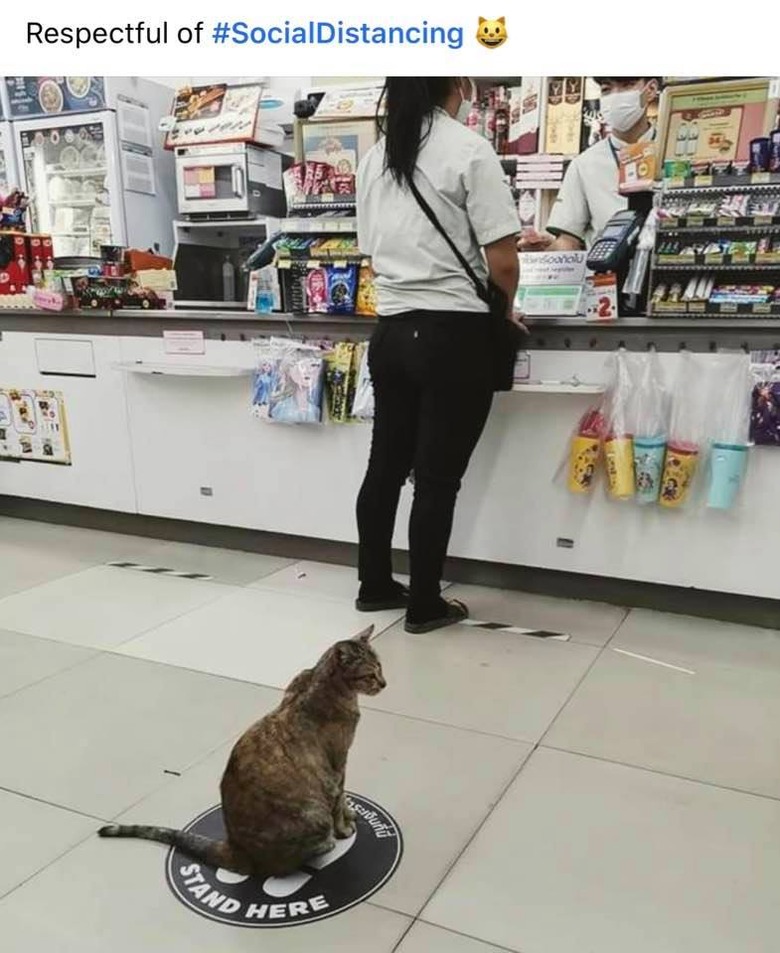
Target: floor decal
(516,630)
(355,869)
(159,570)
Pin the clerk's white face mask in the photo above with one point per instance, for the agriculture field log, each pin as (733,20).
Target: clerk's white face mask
(623,110)
(466,103)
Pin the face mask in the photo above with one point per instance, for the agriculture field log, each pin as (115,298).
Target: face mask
(465,105)
(622,111)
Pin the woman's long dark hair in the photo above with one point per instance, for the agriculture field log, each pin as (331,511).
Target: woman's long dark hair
(409,103)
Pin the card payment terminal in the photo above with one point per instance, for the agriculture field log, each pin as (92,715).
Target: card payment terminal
(611,247)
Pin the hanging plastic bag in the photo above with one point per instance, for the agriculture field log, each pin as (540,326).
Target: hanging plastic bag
(581,462)
(619,438)
(363,404)
(730,394)
(765,403)
(650,423)
(298,385)
(685,433)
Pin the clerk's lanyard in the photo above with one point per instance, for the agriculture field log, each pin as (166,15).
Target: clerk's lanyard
(616,152)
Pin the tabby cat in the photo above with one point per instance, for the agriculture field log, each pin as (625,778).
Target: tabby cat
(283,789)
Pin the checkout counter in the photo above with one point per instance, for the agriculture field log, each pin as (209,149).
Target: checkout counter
(156,434)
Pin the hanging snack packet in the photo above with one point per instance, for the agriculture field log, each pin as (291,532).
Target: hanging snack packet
(297,394)
(316,291)
(338,362)
(366,293)
(264,378)
(363,405)
(342,285)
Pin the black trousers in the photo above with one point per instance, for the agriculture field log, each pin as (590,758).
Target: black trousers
(431,372)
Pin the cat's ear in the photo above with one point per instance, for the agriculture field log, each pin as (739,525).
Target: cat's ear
(347,653)
(364,636)
(502,21)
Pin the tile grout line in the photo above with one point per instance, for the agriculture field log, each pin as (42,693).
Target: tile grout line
(54,804)
(663,774)
(40,870)
(475,833)
(510,783)
(45,678)
(488,944)
(580,681)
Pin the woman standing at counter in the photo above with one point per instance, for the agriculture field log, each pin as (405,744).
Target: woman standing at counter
(430,356)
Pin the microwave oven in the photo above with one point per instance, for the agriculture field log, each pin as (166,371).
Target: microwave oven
(231,179)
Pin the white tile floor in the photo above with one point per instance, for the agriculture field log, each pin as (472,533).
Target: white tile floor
(553,797)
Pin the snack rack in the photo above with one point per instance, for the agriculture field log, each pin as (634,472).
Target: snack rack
(322,217)
(717,247)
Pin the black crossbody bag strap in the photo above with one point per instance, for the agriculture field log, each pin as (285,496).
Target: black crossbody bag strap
(481,290)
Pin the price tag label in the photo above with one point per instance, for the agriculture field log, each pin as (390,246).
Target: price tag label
(703,180)
(695,221)
(728,309)
(760,178)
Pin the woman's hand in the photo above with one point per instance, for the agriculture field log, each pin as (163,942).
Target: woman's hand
(517,318)
(531,240)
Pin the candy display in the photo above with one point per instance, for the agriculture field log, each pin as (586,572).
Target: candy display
(734,205)
(705,288)
(307,181)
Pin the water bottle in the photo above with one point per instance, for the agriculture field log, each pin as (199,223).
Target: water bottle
(228,280)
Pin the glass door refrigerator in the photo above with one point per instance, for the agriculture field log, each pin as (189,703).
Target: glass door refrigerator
(9,178)
(92,161)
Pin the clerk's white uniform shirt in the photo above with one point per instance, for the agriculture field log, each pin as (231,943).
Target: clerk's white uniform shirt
(589,195)
(460,177)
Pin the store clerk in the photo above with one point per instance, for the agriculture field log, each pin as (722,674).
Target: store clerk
(589,195)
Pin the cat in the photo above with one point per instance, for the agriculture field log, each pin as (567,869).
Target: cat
(283,788)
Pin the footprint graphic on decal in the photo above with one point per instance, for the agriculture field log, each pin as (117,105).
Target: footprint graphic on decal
(280,887)
(286,886)
(230,876)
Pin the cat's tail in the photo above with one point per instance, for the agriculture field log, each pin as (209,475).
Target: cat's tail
(215,853)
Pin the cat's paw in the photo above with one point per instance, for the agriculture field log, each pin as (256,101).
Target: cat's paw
(348,813)
(344,828)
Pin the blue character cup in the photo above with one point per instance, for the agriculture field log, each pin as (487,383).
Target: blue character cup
(727,470)
(648,466)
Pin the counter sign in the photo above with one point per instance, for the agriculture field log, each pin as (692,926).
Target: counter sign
(349,874)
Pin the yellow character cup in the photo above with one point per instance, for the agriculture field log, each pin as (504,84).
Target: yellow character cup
(619,456)
(583,458)
(679,470)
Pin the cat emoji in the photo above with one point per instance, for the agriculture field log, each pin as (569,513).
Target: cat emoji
(492,33)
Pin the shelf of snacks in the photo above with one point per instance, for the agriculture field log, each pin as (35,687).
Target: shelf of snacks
(717,246)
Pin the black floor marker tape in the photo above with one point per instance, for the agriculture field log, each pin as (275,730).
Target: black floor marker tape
(159,570)
(516,630)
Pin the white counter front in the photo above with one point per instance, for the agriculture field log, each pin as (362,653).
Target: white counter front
(186,446)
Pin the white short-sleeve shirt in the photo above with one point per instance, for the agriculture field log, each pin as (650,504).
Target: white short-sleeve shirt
(589,194)
(460,177)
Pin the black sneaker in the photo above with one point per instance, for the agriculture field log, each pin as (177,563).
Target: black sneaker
(395,598)
(453,612)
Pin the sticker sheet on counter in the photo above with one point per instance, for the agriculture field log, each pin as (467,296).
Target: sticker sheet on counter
(33,426)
